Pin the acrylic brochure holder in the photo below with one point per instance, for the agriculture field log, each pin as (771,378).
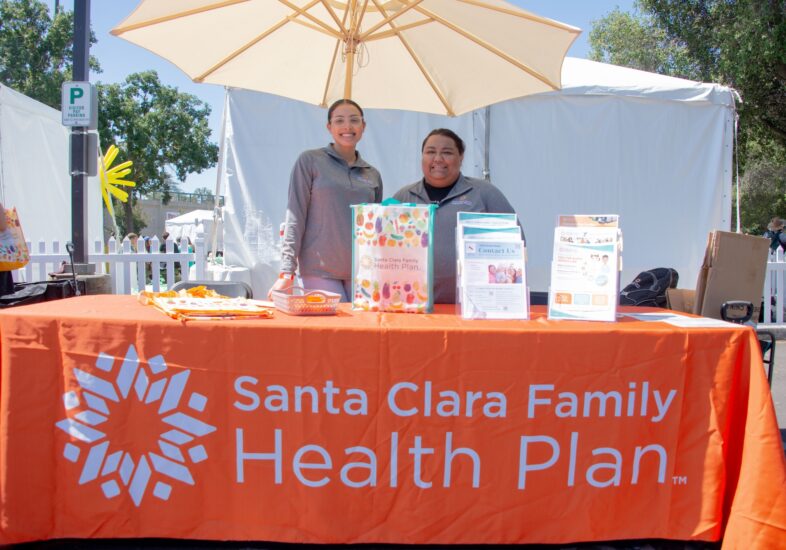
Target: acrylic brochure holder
(491,280)
(585,270)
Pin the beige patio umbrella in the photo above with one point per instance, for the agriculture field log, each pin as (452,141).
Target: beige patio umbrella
(436,56)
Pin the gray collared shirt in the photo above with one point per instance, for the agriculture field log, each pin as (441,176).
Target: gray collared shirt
(318,233)
(467,195)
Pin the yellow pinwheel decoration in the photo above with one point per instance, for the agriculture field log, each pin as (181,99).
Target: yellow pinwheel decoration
(111,178)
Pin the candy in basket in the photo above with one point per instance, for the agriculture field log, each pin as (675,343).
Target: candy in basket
(298,301)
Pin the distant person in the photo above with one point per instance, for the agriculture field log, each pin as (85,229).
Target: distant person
(444,184)
(775,234)
(162,246)
(133,238)
(324,183)
(162,249)
(6,279)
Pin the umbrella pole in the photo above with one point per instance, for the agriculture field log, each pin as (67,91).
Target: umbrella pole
(350,47)
(348,78)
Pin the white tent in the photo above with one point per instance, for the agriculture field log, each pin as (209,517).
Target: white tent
(34,171)
(655,150)
(191,223)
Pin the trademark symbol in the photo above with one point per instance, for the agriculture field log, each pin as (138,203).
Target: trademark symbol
(679,480)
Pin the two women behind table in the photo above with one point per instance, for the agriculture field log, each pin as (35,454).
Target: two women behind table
(326,182)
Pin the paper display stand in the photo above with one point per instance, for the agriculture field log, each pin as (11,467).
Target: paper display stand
(585,270)
(392,257)
(491,267)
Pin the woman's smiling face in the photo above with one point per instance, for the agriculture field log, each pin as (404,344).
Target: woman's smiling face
(346,126)
(441,161)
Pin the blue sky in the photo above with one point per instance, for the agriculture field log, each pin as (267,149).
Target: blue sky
(119,58)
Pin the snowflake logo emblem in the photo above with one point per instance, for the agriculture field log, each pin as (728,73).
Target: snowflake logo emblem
(117,469)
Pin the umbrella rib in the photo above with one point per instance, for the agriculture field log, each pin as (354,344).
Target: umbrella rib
(524,15)
(330,73)
(362,14)
(233,55)
(304,12)
(336,20)
(402,28)
(314,27)
(496,51)
(412,54)
(387,18)
(218,5)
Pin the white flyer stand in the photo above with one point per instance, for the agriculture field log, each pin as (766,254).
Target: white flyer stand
(585,269)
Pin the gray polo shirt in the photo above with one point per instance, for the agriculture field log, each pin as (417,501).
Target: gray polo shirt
(318,232)
(467,195)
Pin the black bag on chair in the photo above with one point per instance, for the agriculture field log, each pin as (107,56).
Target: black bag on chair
(648,289)
(44,291)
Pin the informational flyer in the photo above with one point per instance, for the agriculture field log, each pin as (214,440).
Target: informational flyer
(493,283)
(585,268)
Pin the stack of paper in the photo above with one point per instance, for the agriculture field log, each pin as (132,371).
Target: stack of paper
(585,271)
(491,278)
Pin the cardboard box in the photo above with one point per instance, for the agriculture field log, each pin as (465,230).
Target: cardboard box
(734,268)
(680,299)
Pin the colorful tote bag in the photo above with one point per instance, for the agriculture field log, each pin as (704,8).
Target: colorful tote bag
(13,248)
(392,257)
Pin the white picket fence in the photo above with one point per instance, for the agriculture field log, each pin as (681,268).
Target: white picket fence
(130,270)
(775,289)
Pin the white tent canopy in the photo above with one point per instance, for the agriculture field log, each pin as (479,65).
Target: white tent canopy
(655,150)
(190,224)
(34,171)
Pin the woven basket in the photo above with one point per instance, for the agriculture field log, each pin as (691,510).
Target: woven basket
(298,301)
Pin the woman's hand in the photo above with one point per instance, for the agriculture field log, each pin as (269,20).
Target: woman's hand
(282,283)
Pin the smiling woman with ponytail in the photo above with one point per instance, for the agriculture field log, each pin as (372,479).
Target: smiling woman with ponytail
(317,240)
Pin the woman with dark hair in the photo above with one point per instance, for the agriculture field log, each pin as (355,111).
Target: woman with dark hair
(317,240)
(452,192)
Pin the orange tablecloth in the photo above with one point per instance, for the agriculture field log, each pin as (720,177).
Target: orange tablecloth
(116,421)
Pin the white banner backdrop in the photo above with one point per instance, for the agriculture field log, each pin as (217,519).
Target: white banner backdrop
(653,149)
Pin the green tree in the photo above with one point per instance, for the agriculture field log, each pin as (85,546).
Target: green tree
(635,40)
(36,50)
(764,194)
(739,43)
(203,192)
(163,131)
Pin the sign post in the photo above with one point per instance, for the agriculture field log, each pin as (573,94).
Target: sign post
(78,99)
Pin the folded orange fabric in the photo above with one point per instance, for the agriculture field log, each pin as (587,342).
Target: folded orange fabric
(202,303)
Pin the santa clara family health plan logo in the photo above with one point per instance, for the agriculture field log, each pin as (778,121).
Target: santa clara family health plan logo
(179,432)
